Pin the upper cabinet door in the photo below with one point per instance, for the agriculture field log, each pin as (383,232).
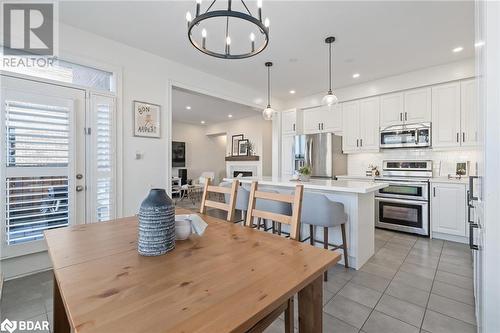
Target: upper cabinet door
(391,109)
(417,106)
(332,118)
(469,119)
(350,139)
(289,122)
(369,109)
(312,120)
(446,115)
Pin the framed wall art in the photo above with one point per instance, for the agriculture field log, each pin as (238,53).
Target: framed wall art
(243,147)
(234,144)
(146,120)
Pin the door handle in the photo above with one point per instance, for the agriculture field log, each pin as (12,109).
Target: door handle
(458,137)
(434,192)
(293,127)
(357,142)
(79,188)
(406,116)
(472,226)
(463,136)
(361,142)
(401,116)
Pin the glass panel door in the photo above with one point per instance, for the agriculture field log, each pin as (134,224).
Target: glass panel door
(42,152)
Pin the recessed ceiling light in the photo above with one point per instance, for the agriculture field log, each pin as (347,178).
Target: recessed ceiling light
(188,107)
(203,121)
(479,43)
(292,92)
(355,75)
(458,49)
(230,116)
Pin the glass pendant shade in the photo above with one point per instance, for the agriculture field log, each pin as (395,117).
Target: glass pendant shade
(329,99)
(267,113)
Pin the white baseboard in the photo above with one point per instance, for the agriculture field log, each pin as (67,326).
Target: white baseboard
(451,238)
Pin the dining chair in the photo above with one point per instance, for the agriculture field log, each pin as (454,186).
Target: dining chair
(241,199)
(293,221)
(228,207)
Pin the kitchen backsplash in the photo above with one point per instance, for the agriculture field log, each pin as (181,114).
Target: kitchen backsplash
(444,162)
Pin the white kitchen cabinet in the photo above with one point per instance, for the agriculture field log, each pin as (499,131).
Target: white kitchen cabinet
(446,115)
(448,210)
(361,125)
(391,109)
(350,139)
(332,118)
(406,107)
(417,106)
(313,119)
(323,119)
(369,109)
(469,117)
(287,162)
(289,122)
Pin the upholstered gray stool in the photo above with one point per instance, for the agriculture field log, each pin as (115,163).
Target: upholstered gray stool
(241,199)
(319,211)
(271,206)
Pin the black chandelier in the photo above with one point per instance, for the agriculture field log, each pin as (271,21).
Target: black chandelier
(249,50)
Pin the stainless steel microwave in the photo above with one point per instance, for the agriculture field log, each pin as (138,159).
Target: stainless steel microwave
(406,136)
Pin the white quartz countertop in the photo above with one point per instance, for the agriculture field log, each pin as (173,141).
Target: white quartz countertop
(329,185)
(438,179)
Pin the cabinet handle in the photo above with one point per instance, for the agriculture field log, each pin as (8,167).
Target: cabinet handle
(458,137)
(406,116)
(401,116)
(361,142)
(471,236)
(357,142)
(463,136)
(433,191)
(294,127)
(322,126)
(319,126)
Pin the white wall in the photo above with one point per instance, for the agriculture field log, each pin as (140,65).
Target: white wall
(257,130)
(203,152)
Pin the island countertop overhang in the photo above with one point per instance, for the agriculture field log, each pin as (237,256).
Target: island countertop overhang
(329,185)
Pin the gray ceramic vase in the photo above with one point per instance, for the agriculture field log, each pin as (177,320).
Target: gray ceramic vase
(156,224)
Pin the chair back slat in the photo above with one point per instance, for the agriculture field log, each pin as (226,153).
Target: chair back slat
(295,199)
(229,207)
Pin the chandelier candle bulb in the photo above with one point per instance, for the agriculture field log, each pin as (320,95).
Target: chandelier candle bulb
(259,6)
(189,18)
(252,39)
(203,38)
(198,4)
(266,22)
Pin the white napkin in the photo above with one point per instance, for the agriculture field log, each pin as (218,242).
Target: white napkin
(198,225)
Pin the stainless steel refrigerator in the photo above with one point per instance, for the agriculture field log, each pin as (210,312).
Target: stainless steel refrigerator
(322,152)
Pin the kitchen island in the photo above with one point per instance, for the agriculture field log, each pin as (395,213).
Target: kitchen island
(359,204)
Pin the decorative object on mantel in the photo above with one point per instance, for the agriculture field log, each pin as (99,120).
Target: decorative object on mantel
(330,97)
(305,173)
(234,144)
(268,112)
(242,158)
(243,147)
(259,31)
(156,224)
(146,120)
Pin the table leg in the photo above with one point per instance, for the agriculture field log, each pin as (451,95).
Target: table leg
(61,323)
(311,307)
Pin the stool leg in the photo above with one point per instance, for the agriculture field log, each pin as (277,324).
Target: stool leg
(325,246)
(311,235)
(274,227)
(344,246)
(258,223)
(279,228)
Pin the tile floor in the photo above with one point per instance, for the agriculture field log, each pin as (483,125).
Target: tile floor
(411,284)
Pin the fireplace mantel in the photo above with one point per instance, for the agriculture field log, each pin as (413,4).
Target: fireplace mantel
(241,158)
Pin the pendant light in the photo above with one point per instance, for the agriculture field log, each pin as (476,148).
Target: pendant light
(330,97)
(267,113)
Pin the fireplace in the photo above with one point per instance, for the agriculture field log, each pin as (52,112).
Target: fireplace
(242,173)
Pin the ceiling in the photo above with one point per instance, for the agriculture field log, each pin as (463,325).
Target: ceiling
(206,108)
(374,38)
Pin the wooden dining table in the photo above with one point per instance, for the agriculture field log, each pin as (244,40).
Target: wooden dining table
(227,280)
